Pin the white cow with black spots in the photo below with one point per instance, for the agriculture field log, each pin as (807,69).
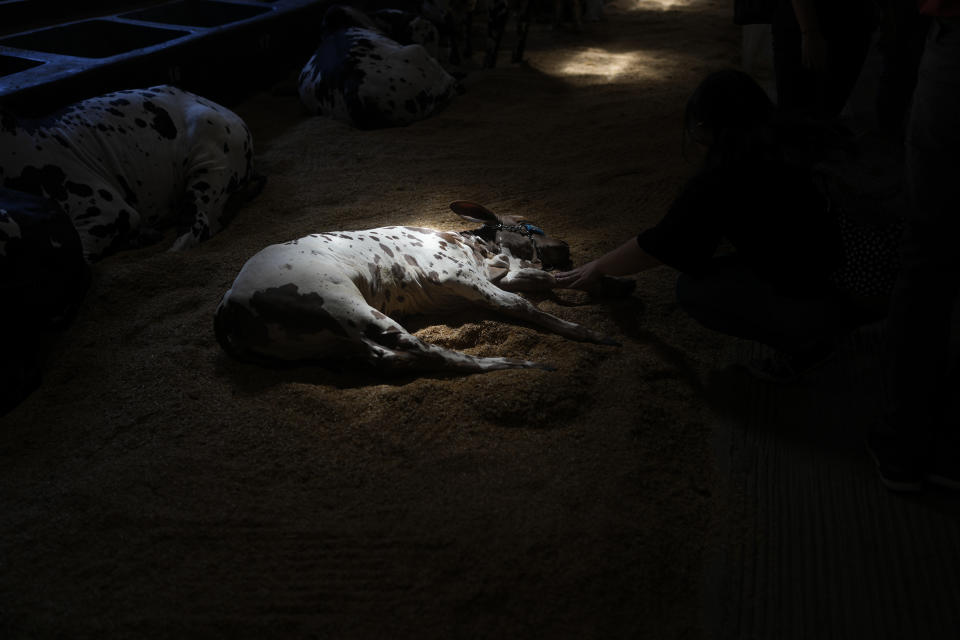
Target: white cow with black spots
(333,295)
(360,76)
(127,163)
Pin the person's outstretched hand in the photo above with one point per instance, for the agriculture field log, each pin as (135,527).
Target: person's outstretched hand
(626,259)
(584,277)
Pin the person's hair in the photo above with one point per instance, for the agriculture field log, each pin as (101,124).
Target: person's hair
(727,99)
(727,108)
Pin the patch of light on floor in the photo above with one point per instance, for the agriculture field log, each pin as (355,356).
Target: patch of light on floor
(637,5)
(598,62)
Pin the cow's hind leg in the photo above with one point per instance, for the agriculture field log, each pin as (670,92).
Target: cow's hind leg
(220,178)
(523,27)
(497,15)
(280,325)
(390,346)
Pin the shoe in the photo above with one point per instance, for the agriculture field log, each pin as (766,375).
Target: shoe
(898,470)
(782,367)
(947,480)
(944,469)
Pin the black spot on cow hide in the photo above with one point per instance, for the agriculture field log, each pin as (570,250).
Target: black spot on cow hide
(162,122)
(47,180)
(297,314)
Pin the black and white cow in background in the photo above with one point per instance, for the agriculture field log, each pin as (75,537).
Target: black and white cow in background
(127,163)
(408,28)
(43,279)
(332,295)
(451,20)
(454,22)
(360,76)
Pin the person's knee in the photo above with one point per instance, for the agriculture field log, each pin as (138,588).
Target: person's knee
(689,291)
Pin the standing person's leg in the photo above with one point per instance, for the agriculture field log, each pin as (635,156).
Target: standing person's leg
(901,45)
(848,27)
(794,83)
(922,304)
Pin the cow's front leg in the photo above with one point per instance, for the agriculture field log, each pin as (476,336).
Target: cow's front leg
(519,307)
(527,279)
(523,27)
(497,16)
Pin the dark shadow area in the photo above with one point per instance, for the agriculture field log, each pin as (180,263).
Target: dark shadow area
(93,38)
(15,64)
(197,13)
(818,526)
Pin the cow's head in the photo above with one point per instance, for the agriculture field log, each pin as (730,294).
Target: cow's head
(521,238)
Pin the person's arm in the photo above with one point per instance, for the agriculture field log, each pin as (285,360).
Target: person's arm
(626,259)
(812,44)
(686,236)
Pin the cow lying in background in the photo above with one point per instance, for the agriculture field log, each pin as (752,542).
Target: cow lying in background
(406,27)
(43,279)
(127,163)
(453,20)
(332,295)
(450,20)
(360,76)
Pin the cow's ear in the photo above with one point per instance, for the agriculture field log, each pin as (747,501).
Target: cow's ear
(474,212)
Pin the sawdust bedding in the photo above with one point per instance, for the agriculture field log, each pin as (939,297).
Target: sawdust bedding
(154,487)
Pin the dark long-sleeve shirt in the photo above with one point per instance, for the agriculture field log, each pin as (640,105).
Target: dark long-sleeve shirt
(769,212)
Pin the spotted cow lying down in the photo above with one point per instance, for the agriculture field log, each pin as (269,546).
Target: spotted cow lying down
(43,279)
(334,295)
(125,164)
(360,76)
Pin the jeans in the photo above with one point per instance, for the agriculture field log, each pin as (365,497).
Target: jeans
(733,299)
(918,344)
